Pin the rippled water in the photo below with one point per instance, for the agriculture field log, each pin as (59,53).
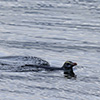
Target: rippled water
(54,30)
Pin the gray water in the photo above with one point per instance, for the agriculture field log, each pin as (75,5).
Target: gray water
(56,31)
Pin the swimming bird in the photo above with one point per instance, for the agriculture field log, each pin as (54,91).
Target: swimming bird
(67,68)
(30,63)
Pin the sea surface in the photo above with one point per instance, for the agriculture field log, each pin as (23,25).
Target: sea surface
(55,31)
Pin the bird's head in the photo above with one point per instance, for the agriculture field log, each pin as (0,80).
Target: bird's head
(69,64)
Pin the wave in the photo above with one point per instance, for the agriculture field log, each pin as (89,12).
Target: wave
(53,46)
(17,63)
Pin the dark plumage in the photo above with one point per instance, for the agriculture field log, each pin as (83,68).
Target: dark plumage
(67,68)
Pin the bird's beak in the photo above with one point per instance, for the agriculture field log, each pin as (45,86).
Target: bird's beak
(74,64)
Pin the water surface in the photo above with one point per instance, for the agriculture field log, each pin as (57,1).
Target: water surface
(56,31)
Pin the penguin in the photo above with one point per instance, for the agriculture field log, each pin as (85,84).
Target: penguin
(67,68)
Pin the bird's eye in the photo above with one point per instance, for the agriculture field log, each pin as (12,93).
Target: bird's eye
(68,63)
